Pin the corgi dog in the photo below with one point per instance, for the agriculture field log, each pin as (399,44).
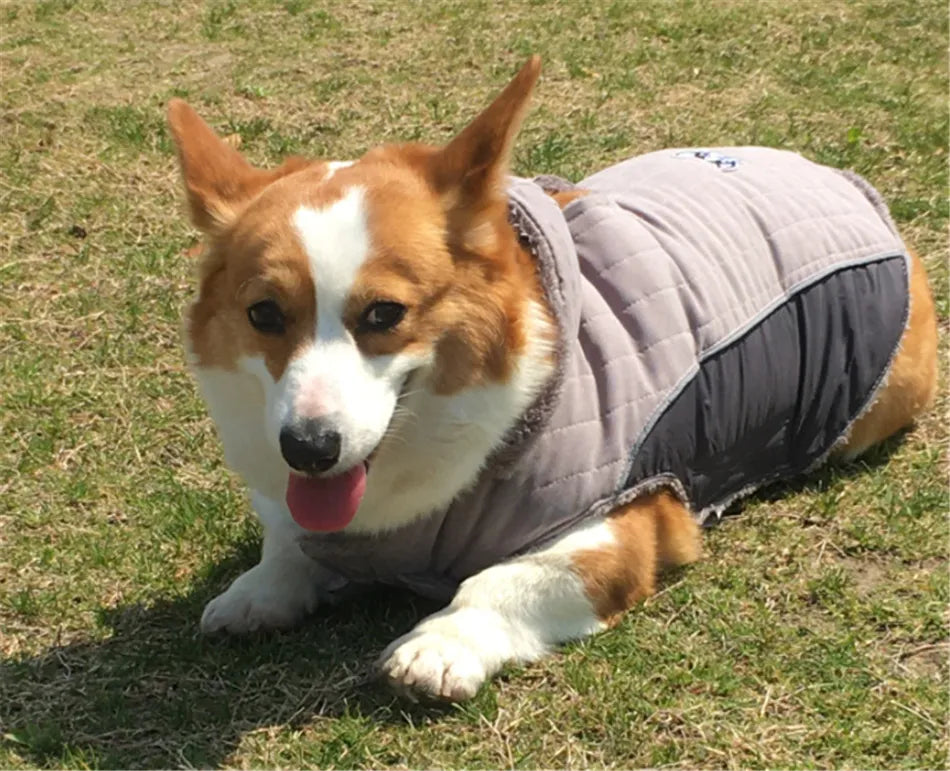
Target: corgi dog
(396,352)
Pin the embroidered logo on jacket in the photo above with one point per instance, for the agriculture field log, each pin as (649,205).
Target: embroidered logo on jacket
(723,162)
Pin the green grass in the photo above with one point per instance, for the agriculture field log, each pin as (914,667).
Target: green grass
(814,633)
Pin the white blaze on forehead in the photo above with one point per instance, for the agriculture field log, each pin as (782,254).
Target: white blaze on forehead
(332,166)
(336,241)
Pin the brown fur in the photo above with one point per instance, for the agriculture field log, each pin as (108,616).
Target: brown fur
(564,197)
(653,532)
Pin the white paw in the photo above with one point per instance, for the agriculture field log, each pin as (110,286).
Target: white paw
(261,598)
(432,665)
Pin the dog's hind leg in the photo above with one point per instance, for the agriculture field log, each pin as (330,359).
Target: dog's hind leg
(654,532)
(911,384)
(517,610)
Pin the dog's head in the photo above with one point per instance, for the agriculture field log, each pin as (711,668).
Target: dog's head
(339,286)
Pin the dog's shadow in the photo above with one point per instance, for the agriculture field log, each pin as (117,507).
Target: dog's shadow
(154,693)
(825,476)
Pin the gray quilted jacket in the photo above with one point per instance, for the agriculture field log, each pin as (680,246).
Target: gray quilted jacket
(724,315)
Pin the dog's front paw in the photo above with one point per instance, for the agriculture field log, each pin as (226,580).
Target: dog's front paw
(432,665)
(261,598)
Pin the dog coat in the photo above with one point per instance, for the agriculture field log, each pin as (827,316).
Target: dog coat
(723,317)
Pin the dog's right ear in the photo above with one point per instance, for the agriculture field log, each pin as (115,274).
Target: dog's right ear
(216,176)
(218,180)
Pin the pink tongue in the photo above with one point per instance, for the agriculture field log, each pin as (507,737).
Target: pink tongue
(326,504)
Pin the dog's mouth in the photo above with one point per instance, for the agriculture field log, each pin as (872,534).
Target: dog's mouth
(326,504)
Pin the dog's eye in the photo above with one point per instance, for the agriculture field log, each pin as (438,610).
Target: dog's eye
(381,316)
(267,317)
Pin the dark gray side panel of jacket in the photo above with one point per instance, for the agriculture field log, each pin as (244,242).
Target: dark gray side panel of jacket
(772,403)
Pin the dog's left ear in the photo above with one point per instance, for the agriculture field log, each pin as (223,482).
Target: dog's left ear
(470,171)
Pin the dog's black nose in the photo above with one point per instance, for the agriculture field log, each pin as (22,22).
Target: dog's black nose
(310,446)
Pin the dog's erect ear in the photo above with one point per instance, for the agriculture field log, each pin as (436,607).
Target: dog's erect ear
(216,176)
(470,171)
(218,181)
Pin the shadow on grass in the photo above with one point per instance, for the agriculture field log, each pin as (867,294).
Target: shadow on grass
(157,694)
(822,478)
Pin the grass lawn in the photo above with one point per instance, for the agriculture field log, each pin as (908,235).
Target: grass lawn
(814,633)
